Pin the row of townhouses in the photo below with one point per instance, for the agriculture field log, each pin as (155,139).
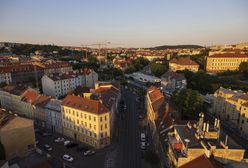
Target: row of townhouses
(20,72)
(88,118)
(232,107)
(59,84)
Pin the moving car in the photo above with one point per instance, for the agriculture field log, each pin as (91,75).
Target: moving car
(48,147)
(89,153)
(68,158)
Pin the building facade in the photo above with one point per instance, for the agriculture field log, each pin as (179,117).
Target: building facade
(224,62)
(181,64)
(172,81)
(86,120)
(57,85)
(16,134)
(232,107)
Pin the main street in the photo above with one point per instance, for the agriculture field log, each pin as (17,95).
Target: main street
(128,146)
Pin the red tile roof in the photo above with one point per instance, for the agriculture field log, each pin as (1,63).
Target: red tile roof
(30,96)
(244,97)
(202,162)
(183,61)
(84,104)
(228,55)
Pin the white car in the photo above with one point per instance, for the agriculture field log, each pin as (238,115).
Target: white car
(66,143)
(48,147)
(68,158)
(143,137)
(59,139)
(143,145)
(89,152)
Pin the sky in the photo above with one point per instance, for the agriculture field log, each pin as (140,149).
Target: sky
(126,23)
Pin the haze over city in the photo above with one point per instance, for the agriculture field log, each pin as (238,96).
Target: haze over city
(129,23)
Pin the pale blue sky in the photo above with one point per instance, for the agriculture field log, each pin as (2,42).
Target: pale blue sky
(130,23)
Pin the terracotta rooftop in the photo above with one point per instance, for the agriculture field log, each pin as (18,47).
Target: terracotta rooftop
(30,96)
(228,55)
(84,104)
(15,89)
(202,162)
(183,61)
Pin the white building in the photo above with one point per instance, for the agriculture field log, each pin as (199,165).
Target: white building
(5,77)
(59,84)
(140,77)
(53,115)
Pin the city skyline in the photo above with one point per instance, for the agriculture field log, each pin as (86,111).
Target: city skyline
(125,24)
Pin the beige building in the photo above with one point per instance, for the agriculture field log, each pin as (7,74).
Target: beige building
(232,106)
(181,64)
(190,141)
(86,120)
(16,134)
(224,62)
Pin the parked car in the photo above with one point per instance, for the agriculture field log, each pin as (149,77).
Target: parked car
(143,137)
(89,153)
(140,116)
(82,148)
(66,142)
(143,145)
(68,158)
(59,139)
(48,147)
(71,145)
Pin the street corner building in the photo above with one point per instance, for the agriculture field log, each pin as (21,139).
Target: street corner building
(16,135)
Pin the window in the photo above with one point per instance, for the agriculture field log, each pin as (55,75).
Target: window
(101,127)
(89,117)
(106,126)
(90,126)
(94,118)
(77,121)
(95,125)
(105,118)
(85,116)
(100,119)
(77,114)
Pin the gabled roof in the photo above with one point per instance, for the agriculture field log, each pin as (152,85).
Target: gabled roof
(183,61)
(202,162)
(84,104)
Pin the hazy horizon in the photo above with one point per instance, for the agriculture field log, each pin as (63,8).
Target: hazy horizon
(124,23)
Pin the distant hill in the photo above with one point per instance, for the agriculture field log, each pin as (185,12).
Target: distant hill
(176,47)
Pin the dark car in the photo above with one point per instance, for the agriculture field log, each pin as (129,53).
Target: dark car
(82,148)
(71,145)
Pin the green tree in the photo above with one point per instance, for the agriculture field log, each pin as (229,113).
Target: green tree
(243,67)
(190,103)
(2,152)
(159,67)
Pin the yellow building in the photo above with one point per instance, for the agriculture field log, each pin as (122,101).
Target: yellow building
(86,120)
(224,62)
(181,64)
(16,134)
(232,106)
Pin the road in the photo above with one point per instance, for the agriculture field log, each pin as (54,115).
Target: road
(128,147)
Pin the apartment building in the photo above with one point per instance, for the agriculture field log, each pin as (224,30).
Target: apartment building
(53,117)
(86,120)
(180,64)
(59,84)
(21,72)
(172,81)
(186,142)
(224,62)
(16,134)
(232,107)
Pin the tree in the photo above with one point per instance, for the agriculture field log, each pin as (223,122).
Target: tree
(2,152)
(190,103)
(151,157)
(159,67)
(243,67)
